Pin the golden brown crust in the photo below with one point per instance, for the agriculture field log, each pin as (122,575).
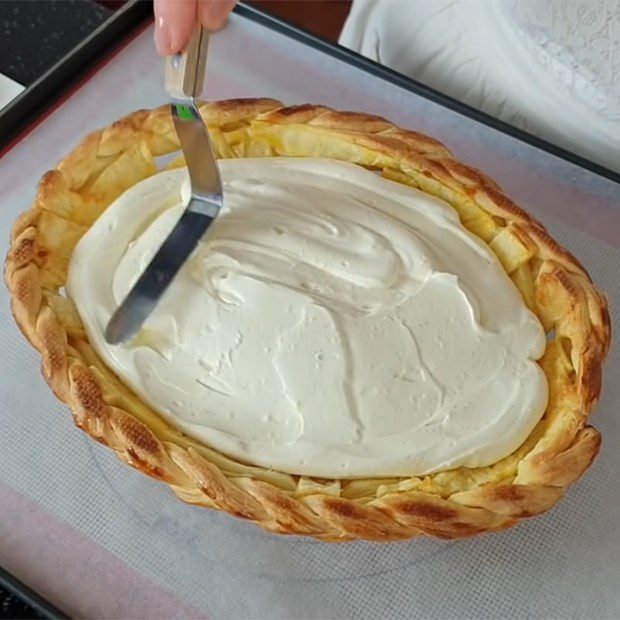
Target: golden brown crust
(452,504)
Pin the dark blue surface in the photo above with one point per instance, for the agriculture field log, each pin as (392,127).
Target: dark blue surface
(13,607)
(36,34)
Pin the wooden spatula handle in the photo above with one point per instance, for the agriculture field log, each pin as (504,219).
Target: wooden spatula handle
(185,72)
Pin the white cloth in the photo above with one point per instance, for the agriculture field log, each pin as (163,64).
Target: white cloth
(550,67)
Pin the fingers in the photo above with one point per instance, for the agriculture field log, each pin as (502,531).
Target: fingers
(174,22)
(212,14)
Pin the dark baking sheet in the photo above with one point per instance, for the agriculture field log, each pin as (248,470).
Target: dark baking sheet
(88,56)
(18,601)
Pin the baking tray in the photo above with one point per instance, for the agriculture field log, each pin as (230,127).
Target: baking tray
(76,68)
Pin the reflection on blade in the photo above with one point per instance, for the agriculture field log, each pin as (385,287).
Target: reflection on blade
(131,314)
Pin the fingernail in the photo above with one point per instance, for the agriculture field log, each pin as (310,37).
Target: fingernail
(163,40)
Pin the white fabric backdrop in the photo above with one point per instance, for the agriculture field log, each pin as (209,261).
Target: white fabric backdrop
(550,67)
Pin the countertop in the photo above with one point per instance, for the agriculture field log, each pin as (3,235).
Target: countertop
(34,35)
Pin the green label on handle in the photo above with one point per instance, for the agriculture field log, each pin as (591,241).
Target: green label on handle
(184,112)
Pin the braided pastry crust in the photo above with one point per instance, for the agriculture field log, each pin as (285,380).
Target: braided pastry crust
(449,504)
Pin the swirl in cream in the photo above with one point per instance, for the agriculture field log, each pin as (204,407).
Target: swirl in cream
(332,323)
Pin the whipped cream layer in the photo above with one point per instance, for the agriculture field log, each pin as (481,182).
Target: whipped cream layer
(332,323)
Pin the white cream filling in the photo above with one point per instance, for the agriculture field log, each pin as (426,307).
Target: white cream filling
(332,323)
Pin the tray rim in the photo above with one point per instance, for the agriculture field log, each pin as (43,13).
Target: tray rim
(20,590)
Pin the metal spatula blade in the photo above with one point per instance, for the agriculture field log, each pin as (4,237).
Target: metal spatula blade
(184,80)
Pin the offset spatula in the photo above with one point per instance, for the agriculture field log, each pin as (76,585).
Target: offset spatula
(185,75)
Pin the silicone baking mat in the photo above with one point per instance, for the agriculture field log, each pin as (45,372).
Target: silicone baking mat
(101,540)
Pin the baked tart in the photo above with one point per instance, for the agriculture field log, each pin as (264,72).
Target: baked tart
(372,342)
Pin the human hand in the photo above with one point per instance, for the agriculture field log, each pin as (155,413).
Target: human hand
(175,21)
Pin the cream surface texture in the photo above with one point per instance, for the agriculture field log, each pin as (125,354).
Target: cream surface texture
(331,323)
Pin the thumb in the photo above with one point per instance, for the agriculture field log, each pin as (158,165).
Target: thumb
(174,22)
